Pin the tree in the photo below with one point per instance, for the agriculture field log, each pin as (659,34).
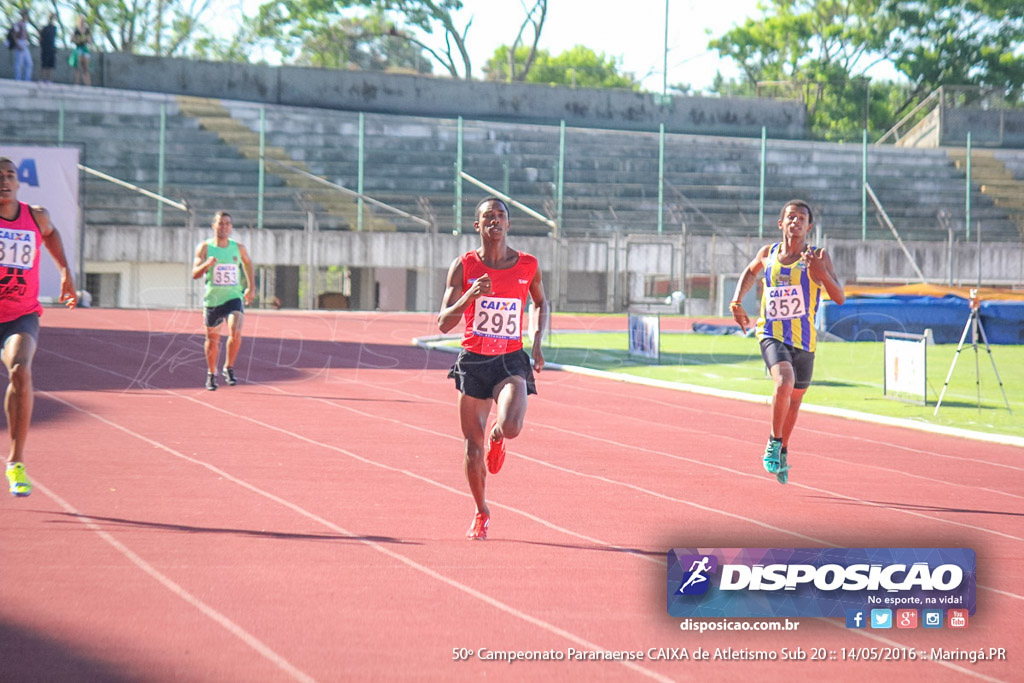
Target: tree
(578,67)
(152,27)
(294,25)
(312,35)
(429,16)
(817,50)
(240,46)
(965,42)
(519,61)
(38,11)
(365,43)
(160,27)
(822,50)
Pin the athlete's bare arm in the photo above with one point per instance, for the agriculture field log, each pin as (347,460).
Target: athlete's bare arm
(201,263)
(747,280)
(455,301)
(540,303)
(250,280)
(819,267)
(54,244)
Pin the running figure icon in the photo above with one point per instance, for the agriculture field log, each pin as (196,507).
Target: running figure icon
(697,573)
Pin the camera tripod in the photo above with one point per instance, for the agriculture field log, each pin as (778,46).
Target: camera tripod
(977,330)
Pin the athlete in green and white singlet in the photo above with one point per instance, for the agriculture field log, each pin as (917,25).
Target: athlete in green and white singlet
(229,288)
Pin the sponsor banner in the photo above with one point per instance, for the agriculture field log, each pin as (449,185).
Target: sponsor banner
(905,361)
(817,582)
(645,336)
(48,177)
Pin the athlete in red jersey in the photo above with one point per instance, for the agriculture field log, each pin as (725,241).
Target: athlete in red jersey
(22,228)
(486,291)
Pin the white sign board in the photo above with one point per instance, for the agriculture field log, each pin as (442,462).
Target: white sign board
(645,336)
(905,367)
(48,177)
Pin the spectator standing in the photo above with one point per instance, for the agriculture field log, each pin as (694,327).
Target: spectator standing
(22,56)
(79,60)
(48,49)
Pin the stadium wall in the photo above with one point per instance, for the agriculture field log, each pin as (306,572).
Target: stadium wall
(376,92)
(405,271)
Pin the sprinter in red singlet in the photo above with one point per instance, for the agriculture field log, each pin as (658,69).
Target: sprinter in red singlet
(23,229)
(487,290)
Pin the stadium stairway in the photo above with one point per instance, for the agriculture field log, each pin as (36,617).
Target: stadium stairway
(337,210)
(991,170)
(118,133)
(712,184)
(611,177)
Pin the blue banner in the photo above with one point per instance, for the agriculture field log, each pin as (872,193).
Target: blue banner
(817,582)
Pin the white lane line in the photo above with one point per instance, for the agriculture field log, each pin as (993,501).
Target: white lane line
(621,445)
(1007,441)
(576,434)
(233,628)
(445,435)
(472,592)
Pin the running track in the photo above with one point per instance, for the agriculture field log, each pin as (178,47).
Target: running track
(308,524)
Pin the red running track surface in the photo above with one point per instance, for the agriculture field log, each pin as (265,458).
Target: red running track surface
(308,523)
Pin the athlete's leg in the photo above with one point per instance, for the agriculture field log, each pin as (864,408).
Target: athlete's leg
(473,417)
(782,396)
(235,320)
(510,395)
(18,353)
(795,399)
(212,348)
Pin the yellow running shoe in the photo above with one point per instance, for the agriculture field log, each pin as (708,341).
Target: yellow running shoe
(20,485)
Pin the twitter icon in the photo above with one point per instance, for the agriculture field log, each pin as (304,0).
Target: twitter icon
(881,618)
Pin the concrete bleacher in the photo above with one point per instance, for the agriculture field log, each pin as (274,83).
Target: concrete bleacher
(118,133)
(610,177)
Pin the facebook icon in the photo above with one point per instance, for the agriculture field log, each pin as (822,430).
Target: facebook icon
(856,618)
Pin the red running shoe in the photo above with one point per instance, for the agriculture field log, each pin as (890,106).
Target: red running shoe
(495,452)
(478,531)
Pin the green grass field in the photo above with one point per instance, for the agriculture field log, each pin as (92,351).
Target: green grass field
(846,375)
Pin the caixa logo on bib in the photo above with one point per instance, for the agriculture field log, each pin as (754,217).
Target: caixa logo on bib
(816,582)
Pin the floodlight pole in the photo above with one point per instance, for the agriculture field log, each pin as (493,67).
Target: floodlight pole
(664,68)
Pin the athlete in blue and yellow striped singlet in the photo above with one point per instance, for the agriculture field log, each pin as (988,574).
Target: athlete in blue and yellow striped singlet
(788,315)
(794,275)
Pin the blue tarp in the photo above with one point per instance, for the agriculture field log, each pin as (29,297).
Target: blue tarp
(867,319)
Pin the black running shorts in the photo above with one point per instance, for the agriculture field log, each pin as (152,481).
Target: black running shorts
(774,352)
(27,324)
(477,375)
(217,314)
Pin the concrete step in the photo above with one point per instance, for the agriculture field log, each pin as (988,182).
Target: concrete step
(213,116)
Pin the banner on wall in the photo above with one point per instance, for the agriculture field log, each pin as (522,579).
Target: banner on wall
(48,177)
(645,336)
